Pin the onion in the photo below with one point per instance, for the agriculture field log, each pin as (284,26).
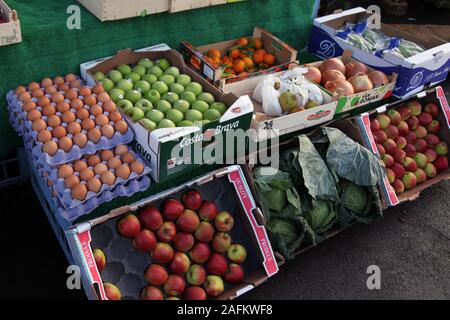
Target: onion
(378,78)
(340,86)
(314,75)
(355,67)
(360,82)
(331,75)
(332,64)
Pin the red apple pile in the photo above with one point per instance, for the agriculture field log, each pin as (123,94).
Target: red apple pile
(408,143)
(190,245)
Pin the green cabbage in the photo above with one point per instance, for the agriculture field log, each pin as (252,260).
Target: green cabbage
(354,198)
(276,199)
(322,216)
(283,229)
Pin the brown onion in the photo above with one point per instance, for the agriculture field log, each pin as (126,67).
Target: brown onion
(333,64)
(314,75)
(360,82)
(378,78)
(340,86)
(331,75)
(355,67)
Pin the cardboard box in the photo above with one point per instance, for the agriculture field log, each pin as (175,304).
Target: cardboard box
(227,187)
(267,127)
(193,55)
(10,31)
(158,146)
(363,134)
(414,74)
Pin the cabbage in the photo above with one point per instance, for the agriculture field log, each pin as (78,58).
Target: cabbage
(322,216)
(283,229)
(354,198)
(276,199)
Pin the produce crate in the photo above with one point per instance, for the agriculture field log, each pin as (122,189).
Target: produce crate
(10,26)
(194,56)
(227,187)
(13,168)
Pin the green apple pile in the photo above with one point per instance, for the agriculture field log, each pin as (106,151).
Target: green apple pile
(158,95)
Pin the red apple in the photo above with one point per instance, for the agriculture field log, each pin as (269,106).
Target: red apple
(411,137)
(188,221)
(204,232)
(410,150)
(224,221)
(413,122)
(213,286)
(403,128)
(384,121)
(145,241)
(167,232)
(398,170)
(401,142)
(151,293)
(388,160)
(441,163)
(392,132)
(380,149)
(425,118)
(421,145)
(184,241)
(129,226)
(431,155)
(196,275)
(192,199)
(430,170)
(208,211)
(175,285)
(405,112)
(420,159)
(375,125)
(441,148)
(221,242)
(420,132)
(415,107)
(409,180)
(180,263)
(432,109)
(217,264)
(420,175)
(390,146)
(398,186)
(235,274)
(432,140)
(390,175)
(200,253)
(399,155)
(237,253)
(410,164)
(156,275)
(434,127)
(380,136)
(163,253)
(194,293)
(172,209)
(151,218)
(112,292)
(100,259)
(395,116)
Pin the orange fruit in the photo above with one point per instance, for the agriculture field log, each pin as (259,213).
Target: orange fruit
(257,43)
(243,55)
(269,59)
(242,42)
(258,57)
(261,51)
(248,62)
(239,66)
(214,53)
(235,53)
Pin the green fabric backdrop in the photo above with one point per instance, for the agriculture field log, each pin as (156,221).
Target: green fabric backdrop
(49,48)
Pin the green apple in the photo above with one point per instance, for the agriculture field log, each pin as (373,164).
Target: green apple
(125,105)
(177,88)
(144,104)
(185,123)
(163,106)
(174,115)
(167,79)
(163,63)
(153,96)
(124,85)
(166,123)
(116,94)
(219,106)
(107,84)
(157,71)
(161,87)
(189,96)
(195,87)
(142,86)
(205,122)
(137,114)
(193,115)
(145,62)
(174,71)
(124,69)
(133,95)
(171,97)
(207,97)
(134,77)
(115,76)
(149,124)
(212,115)
(181,105)
(155,115)
(184,79)
(140,70)
(99,76)
(150,78)
(201,106)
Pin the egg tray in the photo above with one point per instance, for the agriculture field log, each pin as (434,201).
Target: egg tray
(14,121)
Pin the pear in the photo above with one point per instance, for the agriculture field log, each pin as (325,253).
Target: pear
(311,104)
(288,101)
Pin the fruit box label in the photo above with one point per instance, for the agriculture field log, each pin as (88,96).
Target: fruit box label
(444,104)
(360,99)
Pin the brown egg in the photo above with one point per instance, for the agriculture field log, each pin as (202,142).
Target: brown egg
(37,93)
(113,163)
(108,178)
(59,132)
(62,107)
(79,165)
(50,90)
(50,147)
(109,106)
(121,126)
(120,150)
(127,157)
(80,139)
(57,97)
(103,97)
(43,101)
(82,114)
(65,143)
(70,77)
(71,94)
(71,180)
(39,125)
(33,86)
(93,160)
(100,168)
(75,84)
(28,106)
(68,117)
(94,185)
(46,82)
(79,192)
(63,87)
(105,155)
(137,166)
(74,128)
(24,96)
(95,110)
(123,171)
(108,131)
(85,91)
(94,135)
(58,80)
(19,90)
(86,174)
(76,104)
(50,183)
(115,116)
(101,120)
(48,110)
(34,115)
(65,171)
(90,100)
(98,89)
(44,136)
(87,124)
(54,121)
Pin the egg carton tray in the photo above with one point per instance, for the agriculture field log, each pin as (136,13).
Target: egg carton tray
(14,121)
